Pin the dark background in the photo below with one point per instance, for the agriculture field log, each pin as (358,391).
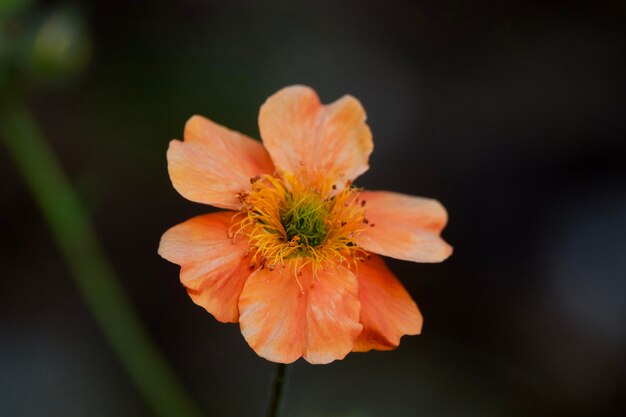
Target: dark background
(511,113)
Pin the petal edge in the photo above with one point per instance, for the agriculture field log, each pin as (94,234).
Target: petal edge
(215,163)
(404,227)
(213,269)
(283,322)
(304,136)
(387,310)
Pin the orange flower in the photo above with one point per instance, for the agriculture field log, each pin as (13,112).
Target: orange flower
(293,257)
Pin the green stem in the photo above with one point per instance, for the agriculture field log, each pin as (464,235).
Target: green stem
(274,407)
(92,273)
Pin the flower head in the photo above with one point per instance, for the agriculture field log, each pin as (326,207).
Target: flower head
(293,257)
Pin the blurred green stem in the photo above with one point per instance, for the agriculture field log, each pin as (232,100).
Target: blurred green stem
(277,391)
(92,272)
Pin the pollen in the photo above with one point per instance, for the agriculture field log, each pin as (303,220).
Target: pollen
(314,223)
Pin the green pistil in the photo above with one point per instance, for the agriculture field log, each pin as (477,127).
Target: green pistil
(305,219)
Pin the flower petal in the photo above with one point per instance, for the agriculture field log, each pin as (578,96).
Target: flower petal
(214,163)
(299,132)
(387,310)
(213,268)
(281,322)
(404,227)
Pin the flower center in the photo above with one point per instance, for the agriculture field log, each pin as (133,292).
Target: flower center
(284,219)
(304,218)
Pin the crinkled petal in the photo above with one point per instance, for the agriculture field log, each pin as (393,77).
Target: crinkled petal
(300,133)
(214,163)
(213,268)
(282,322)
(387,310)
(404,227)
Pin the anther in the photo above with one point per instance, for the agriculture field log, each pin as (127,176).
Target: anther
(241,195)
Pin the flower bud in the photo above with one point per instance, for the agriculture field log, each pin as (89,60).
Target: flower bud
(60,47)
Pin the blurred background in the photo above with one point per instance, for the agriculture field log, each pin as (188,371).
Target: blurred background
(511,113)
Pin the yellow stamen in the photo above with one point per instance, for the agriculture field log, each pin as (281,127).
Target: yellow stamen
(284,219)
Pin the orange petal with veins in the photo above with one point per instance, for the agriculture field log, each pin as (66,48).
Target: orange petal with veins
(214,163)
(299,132)
(387,310)
(404,227)
(213,268)
(282,322)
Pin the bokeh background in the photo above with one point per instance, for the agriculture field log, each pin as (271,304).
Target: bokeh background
(512,113)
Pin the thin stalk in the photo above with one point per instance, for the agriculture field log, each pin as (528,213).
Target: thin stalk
(278,390)
(92,272)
